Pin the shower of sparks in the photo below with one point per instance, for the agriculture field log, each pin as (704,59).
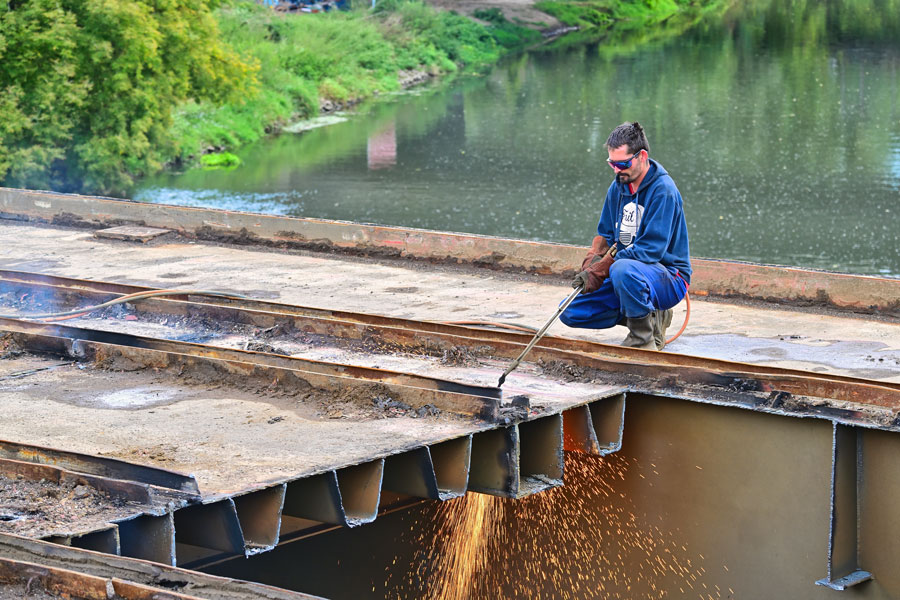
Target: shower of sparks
(582,540)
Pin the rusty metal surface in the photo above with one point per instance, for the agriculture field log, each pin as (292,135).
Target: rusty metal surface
(672,371)
(104,467)
(249,518)
(79,586)
(701,501)
(75,570)
(253,367)
(711,277)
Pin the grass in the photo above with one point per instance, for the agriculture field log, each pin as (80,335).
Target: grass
(603,13)
(221,160)
(304,59)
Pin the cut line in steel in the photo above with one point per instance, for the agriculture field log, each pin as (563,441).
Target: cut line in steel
(337,369)
(417,390)
(661,371)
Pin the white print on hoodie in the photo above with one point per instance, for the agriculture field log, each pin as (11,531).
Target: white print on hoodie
(631,220)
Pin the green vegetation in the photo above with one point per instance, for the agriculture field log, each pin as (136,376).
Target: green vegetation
(221,160)
(507,34)
(87,89)
(97,95)
(577,14)
(338,57)
(602,13)
(623,36)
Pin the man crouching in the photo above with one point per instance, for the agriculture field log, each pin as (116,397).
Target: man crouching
(639,265)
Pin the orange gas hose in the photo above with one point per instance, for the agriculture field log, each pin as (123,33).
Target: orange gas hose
(510,326)
(687,316)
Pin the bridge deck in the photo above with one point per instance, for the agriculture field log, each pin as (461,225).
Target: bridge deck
(820,340)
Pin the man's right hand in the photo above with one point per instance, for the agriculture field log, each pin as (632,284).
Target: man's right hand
(581,280)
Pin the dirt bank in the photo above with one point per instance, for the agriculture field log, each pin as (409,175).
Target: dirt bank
(520,12)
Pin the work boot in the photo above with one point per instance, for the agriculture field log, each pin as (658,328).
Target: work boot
(641,332)
(661,322)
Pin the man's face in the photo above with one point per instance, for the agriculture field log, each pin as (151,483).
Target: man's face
(630,173)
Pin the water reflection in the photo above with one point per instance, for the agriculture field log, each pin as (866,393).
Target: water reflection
(779,122)
(381,147)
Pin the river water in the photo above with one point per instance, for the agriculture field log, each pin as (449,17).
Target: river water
(780,123)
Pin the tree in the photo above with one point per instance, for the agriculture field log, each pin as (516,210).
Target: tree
(88,87)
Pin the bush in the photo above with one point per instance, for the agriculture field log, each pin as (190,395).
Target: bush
(222,160)
(506,34)
(89,88)
(576,15)
(138,83)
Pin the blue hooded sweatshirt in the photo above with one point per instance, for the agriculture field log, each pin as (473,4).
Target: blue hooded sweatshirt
(649,225)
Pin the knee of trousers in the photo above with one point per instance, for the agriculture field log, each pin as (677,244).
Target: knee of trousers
(624,269)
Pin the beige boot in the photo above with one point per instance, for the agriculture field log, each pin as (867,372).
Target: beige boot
(662,320)
(641,332)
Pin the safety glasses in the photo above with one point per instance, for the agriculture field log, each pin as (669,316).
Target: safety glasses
(622,164)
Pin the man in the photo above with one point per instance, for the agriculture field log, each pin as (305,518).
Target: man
(639,264)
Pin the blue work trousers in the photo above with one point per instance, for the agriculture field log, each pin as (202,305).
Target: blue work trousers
(633,289)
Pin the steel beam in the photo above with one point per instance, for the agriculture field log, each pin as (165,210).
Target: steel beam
(360,488)
(259,514)
(125,491)
(214,526)
(315,498)
(348,496)
(411,473)
(597,427)
(148,537)
(109,468)
(452,463)
(103,540)
(161,580)
(541,454)
(677,372)
(495,462)
(79,585)
(842,568)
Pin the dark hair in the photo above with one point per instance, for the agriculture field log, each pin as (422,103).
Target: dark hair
(629,134)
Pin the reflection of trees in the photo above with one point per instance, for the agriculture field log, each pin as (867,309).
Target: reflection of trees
(781,148)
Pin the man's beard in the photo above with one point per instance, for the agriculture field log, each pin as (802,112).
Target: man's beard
(624,178)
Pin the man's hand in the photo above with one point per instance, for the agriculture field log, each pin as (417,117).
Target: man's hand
(580,280)
(599,247)
(595,268)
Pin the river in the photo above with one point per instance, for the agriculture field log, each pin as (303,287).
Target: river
(780,123)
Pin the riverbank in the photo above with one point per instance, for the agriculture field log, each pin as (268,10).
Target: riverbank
(337,60)
(137,89)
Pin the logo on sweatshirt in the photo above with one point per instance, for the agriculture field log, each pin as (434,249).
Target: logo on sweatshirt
(631,221)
